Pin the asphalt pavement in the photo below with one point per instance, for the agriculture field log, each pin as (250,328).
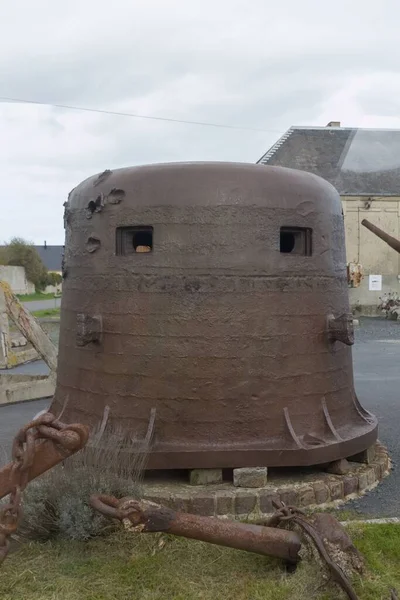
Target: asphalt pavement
(38,367)
(12,417)
(42,304)
(376,357)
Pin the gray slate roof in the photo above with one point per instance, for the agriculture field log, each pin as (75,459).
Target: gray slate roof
(51,256)
(355,161)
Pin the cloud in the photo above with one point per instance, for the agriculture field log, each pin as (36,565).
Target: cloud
(257,65)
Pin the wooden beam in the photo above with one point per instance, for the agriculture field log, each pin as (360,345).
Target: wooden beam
(30,328)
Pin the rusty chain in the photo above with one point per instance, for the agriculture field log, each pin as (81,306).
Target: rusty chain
(112,507)
(45,427)
(285,514)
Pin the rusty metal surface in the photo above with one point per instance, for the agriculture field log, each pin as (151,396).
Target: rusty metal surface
(222,326)
(355,274)
(323,529)
(389,239)
(341,329)
(286,514)
(146,516)
(88,330)
(40,445)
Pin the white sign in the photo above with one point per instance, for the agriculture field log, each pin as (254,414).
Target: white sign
(375,283)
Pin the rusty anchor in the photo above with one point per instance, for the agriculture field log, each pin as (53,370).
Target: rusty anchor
(146,516)
(143,516)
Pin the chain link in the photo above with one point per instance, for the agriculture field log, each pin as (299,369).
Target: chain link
(285,514)
(45,427)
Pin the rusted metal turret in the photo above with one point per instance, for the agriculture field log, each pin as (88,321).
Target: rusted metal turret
(389,239)
(205,307)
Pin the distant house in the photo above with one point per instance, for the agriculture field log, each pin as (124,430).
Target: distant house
(51,257)
(16,277)
(364,166)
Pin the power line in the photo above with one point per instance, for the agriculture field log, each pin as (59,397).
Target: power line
(136,116)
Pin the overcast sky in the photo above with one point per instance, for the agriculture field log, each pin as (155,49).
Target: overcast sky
(257,64)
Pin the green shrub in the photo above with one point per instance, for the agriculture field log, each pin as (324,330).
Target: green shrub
(57,503)
(53,279)
(20,253)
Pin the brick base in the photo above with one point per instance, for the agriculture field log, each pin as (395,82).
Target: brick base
(300,487)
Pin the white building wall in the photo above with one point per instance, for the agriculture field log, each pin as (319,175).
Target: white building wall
(16,278)
(365,248)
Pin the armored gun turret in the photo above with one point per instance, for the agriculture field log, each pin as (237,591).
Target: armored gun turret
(205,307)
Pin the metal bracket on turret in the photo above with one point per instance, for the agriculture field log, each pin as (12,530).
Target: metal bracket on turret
(89,329)
(341,329)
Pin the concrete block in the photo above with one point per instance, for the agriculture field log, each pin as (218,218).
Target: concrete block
(164,498)
(362,481)
(18,341)
(386,464)
(180,503)
(203,504)
(378,468)
(225,502)
(254,477)
(321,491)
(18,388)
(306,496)
(350,485)
(205,476)
(371,477)
(339,467)
(366,457)
(289,496)
(336,489)
(266,499)
(245,503)
(380,449)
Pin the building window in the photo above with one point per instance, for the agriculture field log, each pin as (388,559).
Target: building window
(134,240)
(296,240)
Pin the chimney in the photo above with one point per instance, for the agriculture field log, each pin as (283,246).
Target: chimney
(333,124)
(45,245)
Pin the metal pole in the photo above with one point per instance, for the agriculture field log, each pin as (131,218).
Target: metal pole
(390,240)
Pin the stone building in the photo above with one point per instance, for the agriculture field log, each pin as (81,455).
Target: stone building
(364,166)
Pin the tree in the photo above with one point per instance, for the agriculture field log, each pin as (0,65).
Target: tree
(20,253)
(3,255)
(53,279)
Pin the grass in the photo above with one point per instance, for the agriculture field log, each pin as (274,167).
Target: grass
(123,566)
(47,312)
(342,514)
(35,296)
(380,545)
